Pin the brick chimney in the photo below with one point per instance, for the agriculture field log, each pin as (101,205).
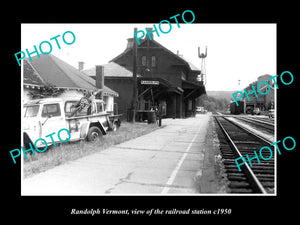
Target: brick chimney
(151,34)
(179,54)
(129,43)
(80,66)
(100,79)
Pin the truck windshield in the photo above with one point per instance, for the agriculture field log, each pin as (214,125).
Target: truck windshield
(31,111)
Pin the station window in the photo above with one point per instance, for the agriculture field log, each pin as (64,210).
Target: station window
(153,61)
(144,60)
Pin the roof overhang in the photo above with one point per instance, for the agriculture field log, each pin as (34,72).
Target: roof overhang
(192,89)
(106,92)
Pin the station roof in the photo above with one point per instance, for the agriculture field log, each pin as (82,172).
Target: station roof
(49,70)
(111,69)
(192,66)
(154,43)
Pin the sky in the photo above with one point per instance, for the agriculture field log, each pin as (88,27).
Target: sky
(235,51)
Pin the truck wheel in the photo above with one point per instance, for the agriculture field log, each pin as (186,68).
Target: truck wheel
(93,133)
(26,141)
(114,127)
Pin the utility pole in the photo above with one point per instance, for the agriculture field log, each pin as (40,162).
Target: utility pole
(134,78)
(244,99)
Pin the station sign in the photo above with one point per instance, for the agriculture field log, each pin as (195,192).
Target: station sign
(151,82)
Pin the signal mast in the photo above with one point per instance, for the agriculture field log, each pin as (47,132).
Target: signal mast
(202,76)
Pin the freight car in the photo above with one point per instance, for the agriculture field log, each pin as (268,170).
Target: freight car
(234,109)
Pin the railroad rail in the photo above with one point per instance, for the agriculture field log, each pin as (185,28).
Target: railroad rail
(267,126)
(236,141)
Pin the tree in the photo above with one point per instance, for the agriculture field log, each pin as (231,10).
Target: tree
(212,104)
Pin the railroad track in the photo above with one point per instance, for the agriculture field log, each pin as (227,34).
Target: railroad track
(235,142)
(266,119)
(261,124)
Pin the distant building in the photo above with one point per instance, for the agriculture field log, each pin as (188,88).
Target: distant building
(164,80)
(50,76)
(263,102)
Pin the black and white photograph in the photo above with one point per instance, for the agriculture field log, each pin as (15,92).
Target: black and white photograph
(149,118)
(165,116)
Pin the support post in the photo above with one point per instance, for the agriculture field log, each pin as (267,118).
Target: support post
(180,106)
(159,114)
(174,106)
(134,78)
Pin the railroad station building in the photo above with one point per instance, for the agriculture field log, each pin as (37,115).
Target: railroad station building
(164,80)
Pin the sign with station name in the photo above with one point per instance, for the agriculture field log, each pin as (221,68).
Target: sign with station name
(151,82)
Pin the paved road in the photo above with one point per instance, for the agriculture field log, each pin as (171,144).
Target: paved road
(166,161)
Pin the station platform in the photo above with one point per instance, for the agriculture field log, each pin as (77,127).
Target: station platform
(178,158)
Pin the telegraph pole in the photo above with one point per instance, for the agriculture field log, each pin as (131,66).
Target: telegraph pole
(134,78)
(244,99)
